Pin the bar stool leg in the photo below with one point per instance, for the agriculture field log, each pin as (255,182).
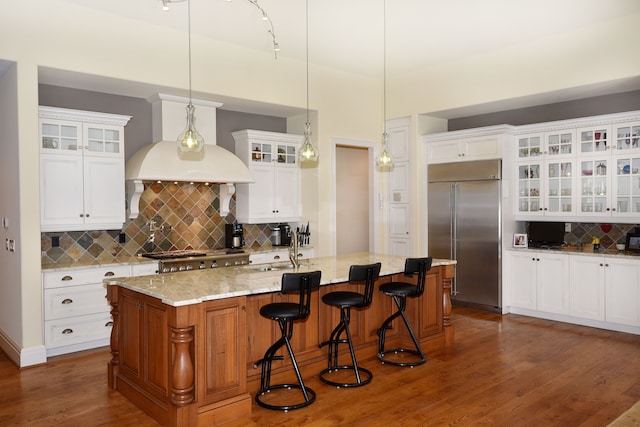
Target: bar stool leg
(401,303)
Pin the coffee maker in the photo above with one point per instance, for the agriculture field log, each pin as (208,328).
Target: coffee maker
(233,236)
(281,235)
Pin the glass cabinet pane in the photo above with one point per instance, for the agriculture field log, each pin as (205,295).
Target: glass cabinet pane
(260,153)
(59,137)
(529,188)
(628,137)
(560,144)
(529,146)
(593,140)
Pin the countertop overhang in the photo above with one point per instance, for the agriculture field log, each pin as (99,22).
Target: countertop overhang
(193,287)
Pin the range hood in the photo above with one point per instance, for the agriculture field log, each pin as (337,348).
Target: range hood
(160,161)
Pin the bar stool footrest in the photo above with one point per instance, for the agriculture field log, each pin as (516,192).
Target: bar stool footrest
(311,397)
(421,357)
(368,376)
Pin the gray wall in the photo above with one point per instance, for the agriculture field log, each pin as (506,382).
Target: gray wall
(138,131)
(617,103)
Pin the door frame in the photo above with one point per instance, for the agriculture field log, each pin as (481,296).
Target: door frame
(374,189)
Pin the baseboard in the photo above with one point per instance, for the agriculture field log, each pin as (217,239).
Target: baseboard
(22,357)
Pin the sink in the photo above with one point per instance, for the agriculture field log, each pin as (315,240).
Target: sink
(275,267)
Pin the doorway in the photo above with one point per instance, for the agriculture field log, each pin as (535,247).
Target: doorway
(354,199)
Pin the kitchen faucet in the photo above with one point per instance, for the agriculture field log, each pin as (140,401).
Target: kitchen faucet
(293,250)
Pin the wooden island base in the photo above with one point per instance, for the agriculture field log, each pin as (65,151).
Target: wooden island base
(192,365)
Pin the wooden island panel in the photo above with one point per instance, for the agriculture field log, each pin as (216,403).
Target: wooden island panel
(191,364)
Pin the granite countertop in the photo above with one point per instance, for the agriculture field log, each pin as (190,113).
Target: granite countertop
(192,287)
(576,251)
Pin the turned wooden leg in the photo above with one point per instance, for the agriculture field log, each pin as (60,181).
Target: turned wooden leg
(112,367)
(183,372)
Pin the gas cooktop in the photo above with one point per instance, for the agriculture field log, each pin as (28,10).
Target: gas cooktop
(190,253)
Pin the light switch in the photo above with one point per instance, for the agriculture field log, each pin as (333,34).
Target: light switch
(12,245)
(5,222)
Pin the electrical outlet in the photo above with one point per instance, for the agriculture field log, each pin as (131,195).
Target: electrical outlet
(55,241)
(12,245)
(567,227)
(122,238)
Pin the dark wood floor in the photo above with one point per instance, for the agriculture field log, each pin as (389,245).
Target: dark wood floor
(504,371)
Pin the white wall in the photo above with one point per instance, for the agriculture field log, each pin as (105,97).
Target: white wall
(59,35)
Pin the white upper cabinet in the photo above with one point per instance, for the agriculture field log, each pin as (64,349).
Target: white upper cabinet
(272,159)
(81,170)
(586,168)
(465,149)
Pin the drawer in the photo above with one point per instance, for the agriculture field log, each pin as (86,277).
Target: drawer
(75,301)
(76,330)
(83,276)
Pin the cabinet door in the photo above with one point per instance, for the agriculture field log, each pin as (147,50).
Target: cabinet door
(60,136)
(529,147)
(399,183)
(622,279)
(399,220)
(594,141)
(559,144)
(586,287)
(481,148)
(259,195)
(552,283)
(530,188)
(595,186)
(104,198)
(559,187)
(399,142)
(523,280)
(61,191)
(103,140)
(626,185)
(286,193)
(399,247)
(443,152)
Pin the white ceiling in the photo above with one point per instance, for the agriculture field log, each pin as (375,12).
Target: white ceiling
(348,34)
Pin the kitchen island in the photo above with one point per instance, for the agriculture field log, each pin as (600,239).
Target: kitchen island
(183,344)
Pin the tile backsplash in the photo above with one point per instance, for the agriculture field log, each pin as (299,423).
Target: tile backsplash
(187,216)
(584,232)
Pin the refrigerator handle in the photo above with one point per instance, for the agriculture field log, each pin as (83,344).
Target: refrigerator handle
(453,221)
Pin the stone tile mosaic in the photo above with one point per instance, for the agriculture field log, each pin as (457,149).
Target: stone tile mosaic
(189,214)
(584,232)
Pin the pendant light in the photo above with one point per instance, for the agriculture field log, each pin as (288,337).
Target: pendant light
(308,153)
(384,160)
(190,140)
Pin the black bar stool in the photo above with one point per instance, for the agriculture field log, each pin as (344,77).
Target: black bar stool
(400,291)
(285,313)
(345,300)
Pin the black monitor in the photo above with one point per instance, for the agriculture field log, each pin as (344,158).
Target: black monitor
(546,234)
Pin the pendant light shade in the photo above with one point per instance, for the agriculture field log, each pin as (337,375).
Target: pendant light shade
(308,153)
(190,140)
(384,159)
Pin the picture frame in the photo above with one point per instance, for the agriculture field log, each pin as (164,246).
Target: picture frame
(632,243)
(520,241)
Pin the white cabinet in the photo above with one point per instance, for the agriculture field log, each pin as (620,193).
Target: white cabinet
(622,291)
(144,269)
(545,174)
(81,170)
(468,149)
(540,281)
(76,312)
(399,189)
(272,159)
(587,287)
(606,289)
(585,168)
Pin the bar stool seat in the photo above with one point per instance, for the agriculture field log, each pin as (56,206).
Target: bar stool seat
(399,291)
(285,313)
(345,300)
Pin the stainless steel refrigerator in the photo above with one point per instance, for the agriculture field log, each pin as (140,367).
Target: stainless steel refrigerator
(464,219)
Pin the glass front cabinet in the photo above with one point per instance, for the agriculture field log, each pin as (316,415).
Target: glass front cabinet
(590,171)
(546,178)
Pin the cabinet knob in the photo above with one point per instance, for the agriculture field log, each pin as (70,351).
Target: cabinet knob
(81,215)
(67,301)
(601,264)
(87,215)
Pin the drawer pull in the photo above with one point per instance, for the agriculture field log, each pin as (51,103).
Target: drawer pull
(109,274)
(109,323)
(67,301)
(67,331)
(67,278)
